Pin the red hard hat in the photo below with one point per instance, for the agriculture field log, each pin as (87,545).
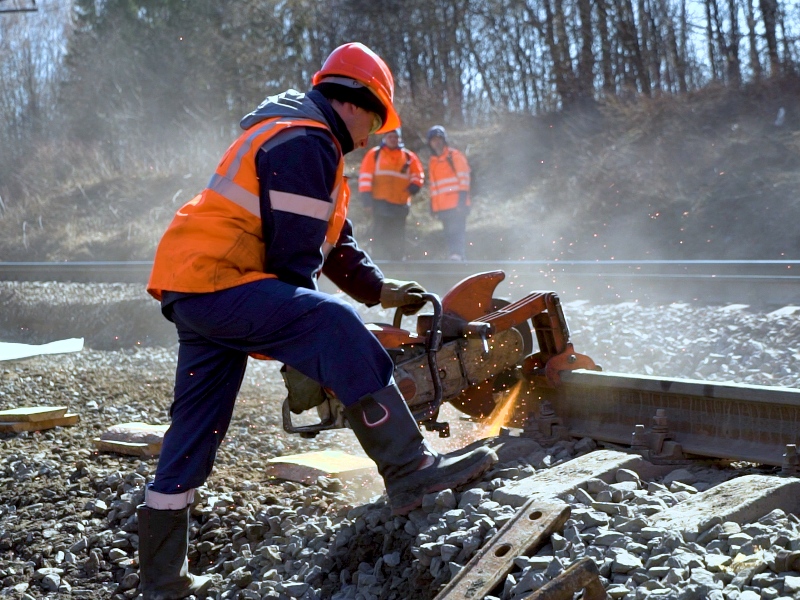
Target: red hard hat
(356,61)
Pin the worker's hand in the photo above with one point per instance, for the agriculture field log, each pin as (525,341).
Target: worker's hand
(462,198)
(405,294)
(304,392)
(413,188)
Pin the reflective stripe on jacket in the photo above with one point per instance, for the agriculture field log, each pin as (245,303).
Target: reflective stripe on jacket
(397,168)
(448,180)
(215,241)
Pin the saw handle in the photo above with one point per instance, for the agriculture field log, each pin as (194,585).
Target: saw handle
(478,329)
(481,331)
(433,343)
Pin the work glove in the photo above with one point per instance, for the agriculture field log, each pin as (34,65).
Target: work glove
(304,392)
(402,294)
(413,188)
(462,198)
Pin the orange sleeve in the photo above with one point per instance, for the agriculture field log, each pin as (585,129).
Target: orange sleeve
(462,170)
(416,174)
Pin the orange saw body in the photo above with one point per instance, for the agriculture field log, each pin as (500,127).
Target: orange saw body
(469,349)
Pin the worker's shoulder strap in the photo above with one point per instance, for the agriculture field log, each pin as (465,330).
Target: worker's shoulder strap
(407,164)
(450,160)
(377,156)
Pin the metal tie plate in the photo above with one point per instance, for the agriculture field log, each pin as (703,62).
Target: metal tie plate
(523,534)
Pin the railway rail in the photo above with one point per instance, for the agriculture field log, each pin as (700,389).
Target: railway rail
(692,422)
(665,419)
(670,420)
(757,282)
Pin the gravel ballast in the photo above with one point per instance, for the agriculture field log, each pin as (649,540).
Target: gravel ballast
(67,513)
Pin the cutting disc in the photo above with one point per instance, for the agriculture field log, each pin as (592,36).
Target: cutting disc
(479,400)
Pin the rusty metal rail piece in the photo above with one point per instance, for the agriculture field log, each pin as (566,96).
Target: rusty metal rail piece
(720,420)
(582,576)
(527,530)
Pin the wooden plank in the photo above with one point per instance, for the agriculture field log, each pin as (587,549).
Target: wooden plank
(549,484)
(18,426)
(32,413)
(742,500)
(307,467)
(130,448)
(135,432)
(135,438)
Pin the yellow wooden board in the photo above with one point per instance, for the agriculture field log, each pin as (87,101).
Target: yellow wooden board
(32,413)
(307,467)
(16,427)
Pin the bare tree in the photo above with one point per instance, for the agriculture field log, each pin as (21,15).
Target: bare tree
(31,55)
(769,14)
(606,52)
(142,74)
(752,37)
(627,31)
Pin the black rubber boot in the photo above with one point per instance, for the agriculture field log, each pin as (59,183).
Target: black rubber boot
(163,564)
(391,437)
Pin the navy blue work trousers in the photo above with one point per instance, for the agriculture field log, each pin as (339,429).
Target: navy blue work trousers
(389,230)
(316,333)
(454,222)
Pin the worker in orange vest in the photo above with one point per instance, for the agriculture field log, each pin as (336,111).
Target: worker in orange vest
(449,175)
(236,272)
(390,174)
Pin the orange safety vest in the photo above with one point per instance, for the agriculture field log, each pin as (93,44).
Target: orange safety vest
(389,179)
(449,175)
(215,241)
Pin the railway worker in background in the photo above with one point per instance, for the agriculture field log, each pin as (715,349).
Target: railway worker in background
(449,174)
(390,174)
(236,272)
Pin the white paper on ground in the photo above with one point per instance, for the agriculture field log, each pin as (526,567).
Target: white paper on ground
(12,351)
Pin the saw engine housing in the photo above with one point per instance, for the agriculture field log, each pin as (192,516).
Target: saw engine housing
(462,363)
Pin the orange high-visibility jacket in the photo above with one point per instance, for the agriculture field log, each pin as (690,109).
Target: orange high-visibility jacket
(388,180)
(215,240)
(449,175)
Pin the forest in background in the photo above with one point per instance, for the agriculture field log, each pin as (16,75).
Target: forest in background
(110,103)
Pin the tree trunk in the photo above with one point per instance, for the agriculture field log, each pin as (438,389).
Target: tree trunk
(789,57)
(710,5)
(752,37)
(585,83)
(732,47)
(562,67)
(769,12)
(606,55)
(646,41)
(626,27)
(674,54)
